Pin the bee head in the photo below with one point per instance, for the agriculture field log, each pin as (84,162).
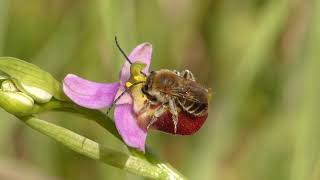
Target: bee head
(148,85)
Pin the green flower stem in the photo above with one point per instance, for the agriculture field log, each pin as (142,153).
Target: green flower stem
(103,120)
(96,115)
(152,158)
(94,150)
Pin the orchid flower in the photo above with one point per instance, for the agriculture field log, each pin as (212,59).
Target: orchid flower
(131,126)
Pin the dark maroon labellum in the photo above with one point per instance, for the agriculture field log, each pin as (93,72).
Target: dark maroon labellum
(187,124)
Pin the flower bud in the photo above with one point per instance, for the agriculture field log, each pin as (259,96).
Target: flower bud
(39,95)
(3,77)
(8,86)
(13,101)
(31,80)
(24,84)
(16,103)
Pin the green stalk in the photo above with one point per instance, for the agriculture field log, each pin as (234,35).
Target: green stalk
(96,115)
(94,150)
(109,125)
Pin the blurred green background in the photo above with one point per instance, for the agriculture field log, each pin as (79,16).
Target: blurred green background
(261,58)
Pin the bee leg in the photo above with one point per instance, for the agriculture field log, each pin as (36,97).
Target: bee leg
(187,75)
(145,107)
(174,112)
(176,72)
(158,112)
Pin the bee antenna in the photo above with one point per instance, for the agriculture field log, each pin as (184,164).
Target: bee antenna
(119,97)
(120,49)
(144,74)
(124,54)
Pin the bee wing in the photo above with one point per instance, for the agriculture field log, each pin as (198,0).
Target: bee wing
(187,93)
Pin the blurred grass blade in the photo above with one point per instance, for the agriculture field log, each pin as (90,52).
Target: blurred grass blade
(4,10)
(61,45)
(306,159)
(272,22)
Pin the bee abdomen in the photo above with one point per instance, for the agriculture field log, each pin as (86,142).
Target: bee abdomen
(194,108)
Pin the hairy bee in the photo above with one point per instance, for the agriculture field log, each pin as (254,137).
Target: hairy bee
(169,95)
(175,92)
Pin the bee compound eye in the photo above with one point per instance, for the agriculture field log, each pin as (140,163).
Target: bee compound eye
(144,89)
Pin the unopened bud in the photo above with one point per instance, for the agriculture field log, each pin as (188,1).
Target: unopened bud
(31,79)
(16,103)
(39,95)
(8,86)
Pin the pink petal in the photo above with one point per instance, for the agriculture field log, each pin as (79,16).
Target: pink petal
(125,98)
(141,53)
(128,127)
(89,94)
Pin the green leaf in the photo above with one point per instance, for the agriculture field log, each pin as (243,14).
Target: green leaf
(32,80)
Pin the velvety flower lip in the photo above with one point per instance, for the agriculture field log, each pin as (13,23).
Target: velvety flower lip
(101,95)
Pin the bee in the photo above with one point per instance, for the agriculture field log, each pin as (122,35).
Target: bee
(175,92)
(170,91)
